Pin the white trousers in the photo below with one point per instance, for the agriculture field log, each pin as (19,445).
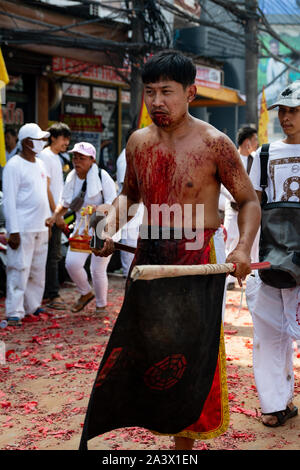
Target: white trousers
(219,244)
(129,236)
(126,259)
(231,226)
(130,239)
(26,274)
(276,323)
(75,262)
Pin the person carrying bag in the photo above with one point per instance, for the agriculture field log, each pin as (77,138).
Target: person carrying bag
(280,235)
(273,296)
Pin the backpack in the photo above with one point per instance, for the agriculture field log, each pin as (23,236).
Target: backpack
(280,235)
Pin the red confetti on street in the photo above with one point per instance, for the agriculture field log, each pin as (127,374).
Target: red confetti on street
(51,365)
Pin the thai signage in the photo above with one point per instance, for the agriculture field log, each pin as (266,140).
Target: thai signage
(208,76)
(77,69)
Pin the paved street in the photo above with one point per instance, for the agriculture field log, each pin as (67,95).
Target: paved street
(51,365)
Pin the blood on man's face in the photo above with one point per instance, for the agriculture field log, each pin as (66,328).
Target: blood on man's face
(167,102)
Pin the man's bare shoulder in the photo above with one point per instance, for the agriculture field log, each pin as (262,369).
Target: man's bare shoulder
(211,134)
(212,141)
(140,136)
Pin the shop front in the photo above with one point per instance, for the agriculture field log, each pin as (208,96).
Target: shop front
(94,102)
(21,91)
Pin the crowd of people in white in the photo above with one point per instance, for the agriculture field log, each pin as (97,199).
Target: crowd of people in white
(36,198)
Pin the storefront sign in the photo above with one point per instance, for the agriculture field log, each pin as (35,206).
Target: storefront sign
(93,138)
(84,128)
(76,69)
(12,115)
(85,123)
(207,76)
(125,97)
(76,89)
(75,108)
(104,94)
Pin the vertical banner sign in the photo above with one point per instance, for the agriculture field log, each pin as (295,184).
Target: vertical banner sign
(4,79)
(263,120)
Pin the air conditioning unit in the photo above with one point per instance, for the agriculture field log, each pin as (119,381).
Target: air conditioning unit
(108,12)
(95,10)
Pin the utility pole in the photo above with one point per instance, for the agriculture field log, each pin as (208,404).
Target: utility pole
(251,62)
(136,85)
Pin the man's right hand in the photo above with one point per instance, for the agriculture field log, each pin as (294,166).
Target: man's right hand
(60,222)
(50,221)
(107,249)
(14,241)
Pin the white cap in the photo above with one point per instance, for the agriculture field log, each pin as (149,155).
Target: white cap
(32,131)
(85,148)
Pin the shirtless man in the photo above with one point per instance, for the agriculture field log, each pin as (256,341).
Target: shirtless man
(181,160)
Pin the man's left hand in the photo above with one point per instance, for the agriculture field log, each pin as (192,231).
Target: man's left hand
(242,261)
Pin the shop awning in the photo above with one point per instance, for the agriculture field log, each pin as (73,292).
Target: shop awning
(222,96)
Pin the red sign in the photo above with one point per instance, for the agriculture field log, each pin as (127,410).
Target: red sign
(207,76)
(76,68)
(13,114)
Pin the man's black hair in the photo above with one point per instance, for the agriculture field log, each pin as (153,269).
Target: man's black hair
(169,65)
(57,129)
(244,133)
(11,130)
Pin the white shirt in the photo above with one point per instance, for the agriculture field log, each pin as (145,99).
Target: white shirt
(55,173)
(8,155)
(132,227)
(244,159)
(283,172)
(25,198)
(121,169)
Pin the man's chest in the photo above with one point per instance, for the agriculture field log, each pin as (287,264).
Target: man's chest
(33,179)
(170,172)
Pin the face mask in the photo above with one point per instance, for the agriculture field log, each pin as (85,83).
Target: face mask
(38,146)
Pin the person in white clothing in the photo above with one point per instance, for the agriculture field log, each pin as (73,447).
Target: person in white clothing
(26,207)
(58,142)
(100,188)
(276,311)
(247,144)
(130,231)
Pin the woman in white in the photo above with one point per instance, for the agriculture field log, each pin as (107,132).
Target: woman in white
(100,188)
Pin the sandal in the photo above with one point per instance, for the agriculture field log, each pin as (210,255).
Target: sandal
(56,304)
(82,302)
(100,310)
(282,416)
(14,321)
(38,311)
